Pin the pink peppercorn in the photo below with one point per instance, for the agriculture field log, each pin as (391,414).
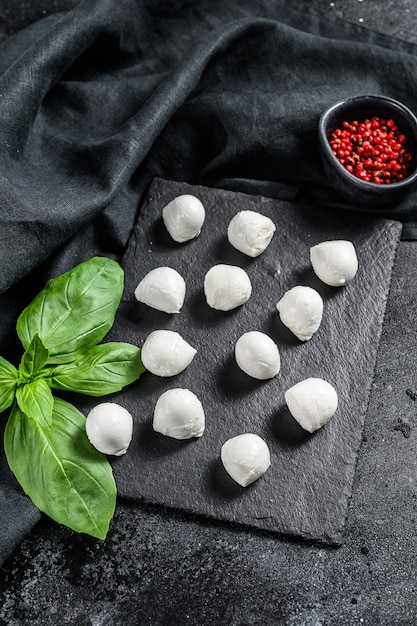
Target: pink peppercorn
(374,150)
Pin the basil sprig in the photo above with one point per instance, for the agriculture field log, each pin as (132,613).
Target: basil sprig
(45,440)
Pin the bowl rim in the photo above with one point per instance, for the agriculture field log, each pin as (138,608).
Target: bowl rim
(346,102)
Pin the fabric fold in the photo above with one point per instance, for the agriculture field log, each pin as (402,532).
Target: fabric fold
(39,118)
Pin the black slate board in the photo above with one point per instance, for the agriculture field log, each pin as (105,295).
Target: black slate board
(306,491)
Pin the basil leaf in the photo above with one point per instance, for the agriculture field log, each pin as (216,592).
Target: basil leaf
(33,360)
(36,400)
(8,382)
(75,310)
(104,369)
(60,471)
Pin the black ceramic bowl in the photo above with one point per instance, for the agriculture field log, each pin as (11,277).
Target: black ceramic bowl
(360,192)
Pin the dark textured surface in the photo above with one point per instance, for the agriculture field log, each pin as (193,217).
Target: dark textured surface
(307,488)
(396,18)
(166,568)
(160,567)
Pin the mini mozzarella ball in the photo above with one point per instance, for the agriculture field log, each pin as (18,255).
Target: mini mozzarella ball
(312,402)
(226,287)
(184,217)
(179,414)
(334,262)
(163,288)
(109,428)
(301,310)
(245,458)
(250,232)
(166,353)
(257,355)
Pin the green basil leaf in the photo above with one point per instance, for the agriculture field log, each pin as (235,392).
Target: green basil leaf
(36,400)
(8,382)
(33,360)
(104,369)
(74,311)
(60,471)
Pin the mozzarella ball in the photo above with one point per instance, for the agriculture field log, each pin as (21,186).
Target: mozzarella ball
(166,353)
(245,458)
(334,262)
(312,402)
(226,287)
(301,310)
(257,355)
(184,217)
(250,232)
(163,288)
(109,428)
(179,414)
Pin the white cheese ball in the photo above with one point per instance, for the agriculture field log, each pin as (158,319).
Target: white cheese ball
(250,232)
(257,355)
(245,458)
(179,414)
(163,288)
(184,217)
(334,262)
(301,310)
(166,353)
(312,402)
(109,428)
(226,287)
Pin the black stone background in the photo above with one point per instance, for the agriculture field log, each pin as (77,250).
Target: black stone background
(169,568)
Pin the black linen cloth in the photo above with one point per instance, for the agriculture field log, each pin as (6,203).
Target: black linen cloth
(97,101)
